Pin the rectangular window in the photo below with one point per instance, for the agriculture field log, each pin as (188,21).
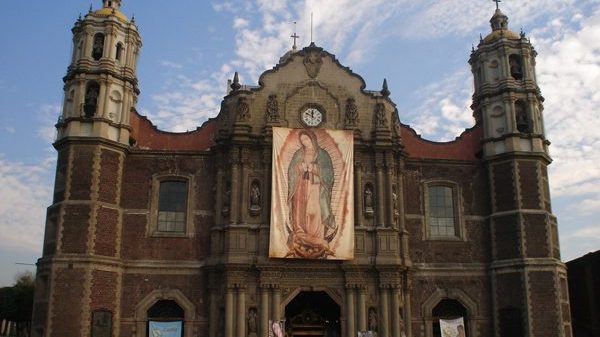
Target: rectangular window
(441,217)
(172,206)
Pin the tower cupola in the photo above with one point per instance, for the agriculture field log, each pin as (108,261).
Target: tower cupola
(101,85)
(507,100)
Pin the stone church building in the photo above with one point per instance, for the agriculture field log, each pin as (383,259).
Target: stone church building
(149,227)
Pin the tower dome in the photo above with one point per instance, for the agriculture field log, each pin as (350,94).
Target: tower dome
(499,23)
(111,8)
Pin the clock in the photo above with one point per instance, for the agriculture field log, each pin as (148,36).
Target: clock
(312,117)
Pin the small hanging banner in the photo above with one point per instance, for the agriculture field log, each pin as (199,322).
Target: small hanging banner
(453,327)
(165,329)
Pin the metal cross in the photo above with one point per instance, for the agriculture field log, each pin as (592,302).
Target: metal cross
(294,36)
(497,3)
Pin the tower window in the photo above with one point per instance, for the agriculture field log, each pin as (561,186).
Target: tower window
(172,206)
(516,66)
(91,99)
(441,212)
(119,53)
(523,122)
(98,47)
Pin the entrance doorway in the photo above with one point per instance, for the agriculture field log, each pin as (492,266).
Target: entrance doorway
(313,314)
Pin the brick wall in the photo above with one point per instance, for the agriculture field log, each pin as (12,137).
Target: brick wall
(109,176)
(81,173)
(68,301)
(75,229)
(507,237)
(544,304)
(536,235)
(503,187)
(106,231)
(529,185)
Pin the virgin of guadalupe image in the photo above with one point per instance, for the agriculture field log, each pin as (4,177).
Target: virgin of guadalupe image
(311,225)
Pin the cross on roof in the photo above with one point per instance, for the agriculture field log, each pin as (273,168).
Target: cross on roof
(294,36)
(497,3)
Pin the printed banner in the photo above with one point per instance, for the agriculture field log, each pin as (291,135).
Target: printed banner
(312,195)
(452,327)
(165,329)
(277,328)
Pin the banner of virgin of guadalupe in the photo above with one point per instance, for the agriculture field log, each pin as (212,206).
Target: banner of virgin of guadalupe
(312,196)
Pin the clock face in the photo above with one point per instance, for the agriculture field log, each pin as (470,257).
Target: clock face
(312,117)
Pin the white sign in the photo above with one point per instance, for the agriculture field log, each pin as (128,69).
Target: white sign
(453,327)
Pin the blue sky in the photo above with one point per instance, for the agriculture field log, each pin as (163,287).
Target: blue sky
(191,48)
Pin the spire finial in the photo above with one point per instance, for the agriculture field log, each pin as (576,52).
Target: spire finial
(236,82)
(384,89)
(91,8)
(311,27)
(497,3)
(294,36)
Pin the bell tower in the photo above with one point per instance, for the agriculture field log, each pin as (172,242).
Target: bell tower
(78,279)
(101,84)
(529,281)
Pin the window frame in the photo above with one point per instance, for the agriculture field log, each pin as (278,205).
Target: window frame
(188,230)
(459,231)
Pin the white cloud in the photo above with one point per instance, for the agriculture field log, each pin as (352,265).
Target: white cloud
(172,65)
(24,193)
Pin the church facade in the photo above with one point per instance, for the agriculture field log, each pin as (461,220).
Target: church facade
(305,205)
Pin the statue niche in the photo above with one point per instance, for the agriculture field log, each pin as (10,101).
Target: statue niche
(254,200)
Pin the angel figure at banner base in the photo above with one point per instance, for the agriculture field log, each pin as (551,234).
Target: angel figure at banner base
(311,224)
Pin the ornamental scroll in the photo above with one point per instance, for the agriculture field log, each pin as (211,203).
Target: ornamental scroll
(312,203)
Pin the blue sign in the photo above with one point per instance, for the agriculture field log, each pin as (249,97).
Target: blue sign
(165,329)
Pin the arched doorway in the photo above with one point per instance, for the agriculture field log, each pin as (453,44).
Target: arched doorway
(313,314)
(447,309)
(165,315)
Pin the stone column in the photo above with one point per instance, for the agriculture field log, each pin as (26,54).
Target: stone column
(233,204)
(229,312)
(380,195)
(266,185)
(241,312)
(358,199)
(79,98)
(407,309)
(100,107)
(389,200)
(383,309)
(350,316)
(395,314)
(264,311)
(213,314)
(87,44)
(276,304)
(362,313)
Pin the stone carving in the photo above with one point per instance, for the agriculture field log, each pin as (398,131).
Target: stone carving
(243,110)
(226,198)
(372,319)
(255,198)
(313,61)
(368,196)
(252,326)
(380,119)
(395,201)
(396,124)
(272,109)
(351,112)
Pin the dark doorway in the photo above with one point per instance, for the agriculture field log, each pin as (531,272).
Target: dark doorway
(312,314)
(448,309)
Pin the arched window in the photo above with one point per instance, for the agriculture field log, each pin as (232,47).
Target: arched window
(172,206)
(119,52)
(90,104)
(98,46)
(516,66)
(522,118)
(165,316)
(448,309)
(441,212)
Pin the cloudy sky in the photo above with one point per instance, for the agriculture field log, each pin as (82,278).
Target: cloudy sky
(192,47)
